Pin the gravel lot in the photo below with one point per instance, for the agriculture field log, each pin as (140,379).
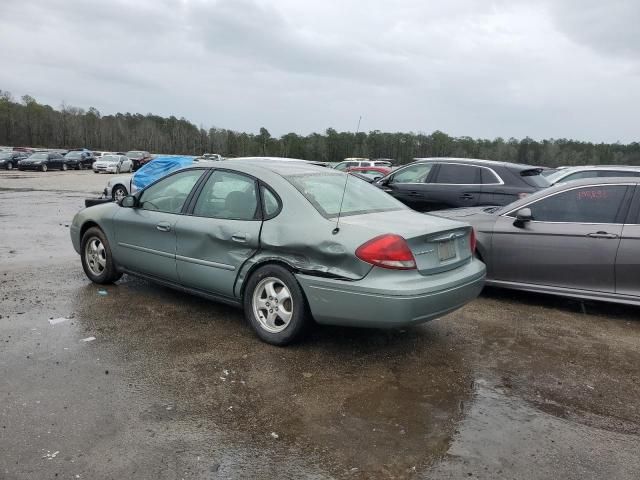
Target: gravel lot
(513,385)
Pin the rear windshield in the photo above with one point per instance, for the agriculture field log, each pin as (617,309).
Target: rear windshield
(534,177)
(135,154)
(325,192)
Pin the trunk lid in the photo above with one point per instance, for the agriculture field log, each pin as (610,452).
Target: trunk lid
(438,244)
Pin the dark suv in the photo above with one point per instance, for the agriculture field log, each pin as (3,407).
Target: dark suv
(79,159)
(437,183)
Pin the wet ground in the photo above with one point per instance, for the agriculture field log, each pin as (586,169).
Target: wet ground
(511,386)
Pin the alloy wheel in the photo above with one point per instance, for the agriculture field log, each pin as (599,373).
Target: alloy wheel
(272,304)
(95,256)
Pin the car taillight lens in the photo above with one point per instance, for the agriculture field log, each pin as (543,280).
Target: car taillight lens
(473,242)
(387,251)
(522,195)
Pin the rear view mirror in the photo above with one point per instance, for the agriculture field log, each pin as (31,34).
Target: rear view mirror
(130,201)
(523,216)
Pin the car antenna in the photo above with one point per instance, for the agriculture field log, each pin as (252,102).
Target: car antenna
(344,190)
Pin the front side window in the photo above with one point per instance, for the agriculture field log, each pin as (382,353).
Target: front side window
(413,174)
(455,174)
(327,192)
(595,204)
(228,195)
(168,195)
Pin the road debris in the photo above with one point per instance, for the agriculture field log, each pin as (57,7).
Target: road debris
(55,321)
(104,293)
(88,339)
(274,435)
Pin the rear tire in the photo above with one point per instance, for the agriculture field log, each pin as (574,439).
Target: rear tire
(9,166)
(64,167)
(275,306)
(44,168)
(97,260)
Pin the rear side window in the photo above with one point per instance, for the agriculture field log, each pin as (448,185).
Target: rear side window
(618,173)
(458,174)
(594,204)
(325,192)
(229,196)
(271,204)
(488,177)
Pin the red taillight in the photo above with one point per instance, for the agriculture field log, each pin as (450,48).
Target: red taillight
(473,242)
(387,251)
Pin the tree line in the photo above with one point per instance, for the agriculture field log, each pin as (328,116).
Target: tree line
(25,122)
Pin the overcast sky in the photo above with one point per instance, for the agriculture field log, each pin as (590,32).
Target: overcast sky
(542,68)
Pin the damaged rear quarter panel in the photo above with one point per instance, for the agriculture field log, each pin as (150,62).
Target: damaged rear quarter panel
(301,238)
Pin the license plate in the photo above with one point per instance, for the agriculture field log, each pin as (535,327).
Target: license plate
(447,250)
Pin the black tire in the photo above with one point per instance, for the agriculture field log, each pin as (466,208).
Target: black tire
(64,167)
(44,167)
(300,315)
(109,274)
(9,165)
(118,188)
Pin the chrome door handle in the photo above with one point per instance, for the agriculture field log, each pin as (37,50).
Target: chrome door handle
(602,235)
(164,227)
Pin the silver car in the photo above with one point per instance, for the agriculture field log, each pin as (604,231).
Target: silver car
(568,174)
(289,242)
(579,239)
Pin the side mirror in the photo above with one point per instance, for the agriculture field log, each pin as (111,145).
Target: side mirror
(130,201)
(522,217)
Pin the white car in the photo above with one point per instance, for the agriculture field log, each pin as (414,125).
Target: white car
(361,162)
(113,164)
(568,174)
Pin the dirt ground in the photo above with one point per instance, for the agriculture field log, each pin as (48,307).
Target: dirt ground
(513,385)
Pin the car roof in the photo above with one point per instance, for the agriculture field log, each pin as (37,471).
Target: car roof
(280,165)
(476,161)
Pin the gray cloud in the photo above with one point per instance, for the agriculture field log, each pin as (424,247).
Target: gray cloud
(495,68)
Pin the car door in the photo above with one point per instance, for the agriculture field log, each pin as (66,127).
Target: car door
(145,235)
(454,185)
(571,242)
(408,185)
(628,258)
(220,234)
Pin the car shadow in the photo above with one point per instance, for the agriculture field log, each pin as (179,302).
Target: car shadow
(586,307)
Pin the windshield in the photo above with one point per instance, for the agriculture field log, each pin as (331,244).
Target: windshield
(38,156)
(134,154)
(558,175)
(5,155)
(73,155)
(325,192)
(109,158)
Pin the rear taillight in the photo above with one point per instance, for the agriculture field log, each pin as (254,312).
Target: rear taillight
(473,242)
(387,251)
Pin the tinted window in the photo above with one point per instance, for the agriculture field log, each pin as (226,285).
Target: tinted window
(488,177)
(598,204)
(579,175)
(458,174)
(617,173)
(414,174)
(168,195)
(228,195)
(327,192)
(271,205)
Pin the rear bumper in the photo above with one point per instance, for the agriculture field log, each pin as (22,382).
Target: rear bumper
(389,299)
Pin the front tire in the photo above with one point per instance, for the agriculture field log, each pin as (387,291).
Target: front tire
(97,260)
(64,167)
(9,166)
(275,306)
(44,168)
(119,192)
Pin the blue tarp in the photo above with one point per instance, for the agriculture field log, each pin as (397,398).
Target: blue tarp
(157,168)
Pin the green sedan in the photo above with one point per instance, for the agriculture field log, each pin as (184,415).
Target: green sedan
(289,241)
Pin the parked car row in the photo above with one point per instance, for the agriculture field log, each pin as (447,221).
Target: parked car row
(291,242)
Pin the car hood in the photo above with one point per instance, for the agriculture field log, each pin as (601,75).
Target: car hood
(28,160)
(99,163)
